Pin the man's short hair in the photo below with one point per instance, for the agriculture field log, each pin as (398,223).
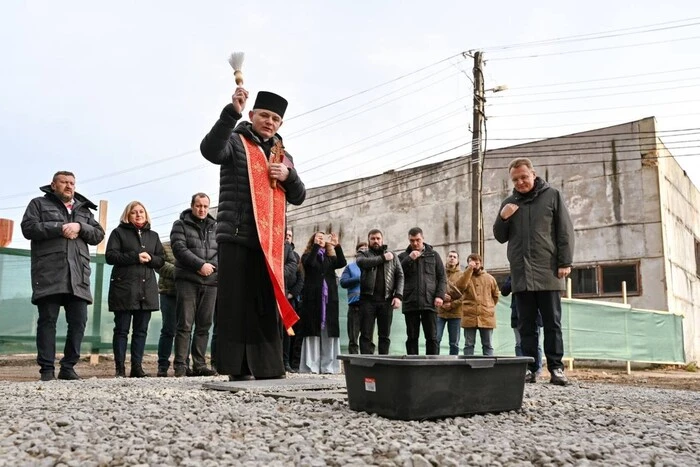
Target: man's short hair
(518,161)
(360,245)
(415,231)
(453,251)
(196,196)
(475,257)
(62,172)
(375,231)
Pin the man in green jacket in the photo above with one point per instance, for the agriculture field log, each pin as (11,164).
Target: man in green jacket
(540,235)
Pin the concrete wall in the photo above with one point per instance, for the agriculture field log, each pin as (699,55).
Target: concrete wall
(609,177)
(681,229)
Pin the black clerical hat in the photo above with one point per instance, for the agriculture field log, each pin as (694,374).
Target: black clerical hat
(270,101)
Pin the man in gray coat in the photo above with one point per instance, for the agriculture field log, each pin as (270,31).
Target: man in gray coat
(60,225)
(540,235)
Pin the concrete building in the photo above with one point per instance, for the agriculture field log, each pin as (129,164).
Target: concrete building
(633,207)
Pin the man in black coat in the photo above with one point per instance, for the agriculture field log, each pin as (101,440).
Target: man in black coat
(381,291)
(540,235)
(423,292)
(249,344)
(60,227)
(194,246)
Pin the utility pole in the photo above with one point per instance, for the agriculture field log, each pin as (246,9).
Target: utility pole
(477,240)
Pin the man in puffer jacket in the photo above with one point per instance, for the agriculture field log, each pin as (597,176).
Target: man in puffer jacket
(195,250)
(381,291)
(249,344)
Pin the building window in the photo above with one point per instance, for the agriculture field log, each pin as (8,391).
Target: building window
(697,257)
(583,281)
(605,280)
(613,276)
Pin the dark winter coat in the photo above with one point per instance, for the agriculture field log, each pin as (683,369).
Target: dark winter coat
(368,261)
(315,272)
(60,265)
(223,146)
(293,277)
(133,285)
(193,242)
(540,238)
(424,279)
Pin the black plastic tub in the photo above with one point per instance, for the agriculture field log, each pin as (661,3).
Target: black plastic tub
(420,387)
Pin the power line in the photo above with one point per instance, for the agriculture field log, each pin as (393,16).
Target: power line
(597,35)
(598,49)
(338,101)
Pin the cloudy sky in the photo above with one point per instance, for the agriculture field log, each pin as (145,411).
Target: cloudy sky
(122,92)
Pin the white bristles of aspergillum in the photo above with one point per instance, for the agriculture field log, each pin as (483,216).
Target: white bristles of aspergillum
(236,60)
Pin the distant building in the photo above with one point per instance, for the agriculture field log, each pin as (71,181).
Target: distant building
(634,209)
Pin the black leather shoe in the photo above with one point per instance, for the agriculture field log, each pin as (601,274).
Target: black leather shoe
(48,376)
(180,372)
(137,372)
(162,373)
(289,369)
(241,377)
(68,374)
(203,372)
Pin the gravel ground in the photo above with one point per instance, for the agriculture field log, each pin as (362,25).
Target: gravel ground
(169,421)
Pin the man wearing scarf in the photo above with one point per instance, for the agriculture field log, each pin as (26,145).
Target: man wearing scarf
(254,189)
(540,235)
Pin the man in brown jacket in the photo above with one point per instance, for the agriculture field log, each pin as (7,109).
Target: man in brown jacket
(450,313)
(479,298)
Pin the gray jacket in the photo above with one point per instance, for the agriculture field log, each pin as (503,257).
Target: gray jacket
(540,238)
(368,262)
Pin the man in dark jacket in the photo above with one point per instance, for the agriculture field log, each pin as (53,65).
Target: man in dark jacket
(381,291)
(195,250)
(423,293)
(248,338)
(540,235)
(293,283)
(60,227)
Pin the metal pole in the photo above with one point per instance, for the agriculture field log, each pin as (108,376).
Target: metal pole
(478,120)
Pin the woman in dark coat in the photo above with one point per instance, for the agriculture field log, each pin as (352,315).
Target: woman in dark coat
(320,314)
(135,252)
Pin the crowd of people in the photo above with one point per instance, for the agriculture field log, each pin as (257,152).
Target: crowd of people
(268,309)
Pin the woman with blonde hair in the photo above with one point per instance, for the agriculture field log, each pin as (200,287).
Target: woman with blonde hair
(135,252)
(320,320)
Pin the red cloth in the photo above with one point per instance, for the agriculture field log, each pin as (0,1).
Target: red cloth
(269,206)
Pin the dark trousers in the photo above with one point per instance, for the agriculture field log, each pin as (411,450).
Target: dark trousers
(167,331)
(549,304)
(122,323)
(414,319)
(354,322)
(289,349)
(76,317)
(195,307)
(382,313)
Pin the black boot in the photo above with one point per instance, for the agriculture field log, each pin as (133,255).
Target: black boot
(137,371)
(120,370)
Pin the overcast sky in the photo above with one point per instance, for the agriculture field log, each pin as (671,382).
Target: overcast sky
(121,93)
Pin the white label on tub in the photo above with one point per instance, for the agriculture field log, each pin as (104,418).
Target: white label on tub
(370,385)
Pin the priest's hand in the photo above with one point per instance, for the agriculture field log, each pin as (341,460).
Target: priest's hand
(239,99)
(279,171)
